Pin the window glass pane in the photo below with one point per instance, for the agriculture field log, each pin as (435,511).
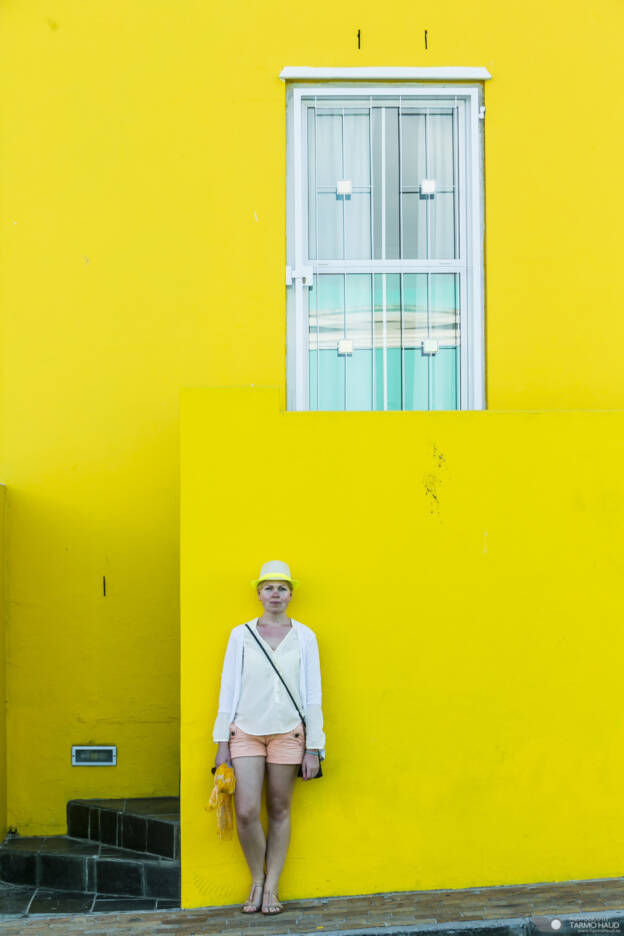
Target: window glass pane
(359,329)
(403,326)
(313,379)
(415,363)
(357,218)
(387,363)
(357,226)
(442,226)
(376,179)
(392,233)
(313,344)
(359,315)
(444,380)
(327,324)
(331,379)
(414,226)
(325,209)
(330,309)
(387,341)
(413,166)
(359,379)
(357,149)
(416,368)
(444,310)
(441,149)
(386,182)
(329,222)
(414,309)
(311,157)
(328,149)
(443,234)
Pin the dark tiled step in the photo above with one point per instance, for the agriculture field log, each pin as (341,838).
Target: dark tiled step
(23,901)
(70,864)
(150,825)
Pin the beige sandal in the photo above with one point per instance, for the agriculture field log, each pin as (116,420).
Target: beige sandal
(274,906)
(252,904)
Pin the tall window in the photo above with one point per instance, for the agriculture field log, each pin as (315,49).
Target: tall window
(384,249)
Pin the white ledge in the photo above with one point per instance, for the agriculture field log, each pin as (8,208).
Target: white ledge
(438,73)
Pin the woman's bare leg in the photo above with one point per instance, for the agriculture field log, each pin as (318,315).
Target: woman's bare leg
(249,772)
(280,785)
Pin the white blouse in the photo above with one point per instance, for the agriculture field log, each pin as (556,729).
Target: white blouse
(308,687)
(264,706)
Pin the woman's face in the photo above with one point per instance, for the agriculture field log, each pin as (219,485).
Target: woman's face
(275,596)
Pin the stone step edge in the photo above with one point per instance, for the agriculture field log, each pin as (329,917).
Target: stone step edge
(89,841)
(147,834)
(145,857)
(89,874)
(93,804)
(510,926)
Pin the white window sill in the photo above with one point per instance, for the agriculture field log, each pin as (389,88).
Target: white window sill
(439,73)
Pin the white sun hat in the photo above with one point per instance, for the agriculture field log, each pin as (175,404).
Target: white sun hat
(275,571)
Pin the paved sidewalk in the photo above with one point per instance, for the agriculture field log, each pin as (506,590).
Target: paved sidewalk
(387,913)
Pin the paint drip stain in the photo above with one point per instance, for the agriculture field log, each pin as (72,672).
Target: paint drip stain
(433,481)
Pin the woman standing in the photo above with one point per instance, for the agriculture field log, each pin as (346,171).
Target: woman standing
(258,724)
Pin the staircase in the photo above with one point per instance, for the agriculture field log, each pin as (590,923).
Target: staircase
(127,848)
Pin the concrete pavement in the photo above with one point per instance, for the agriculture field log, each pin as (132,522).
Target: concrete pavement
(596,906)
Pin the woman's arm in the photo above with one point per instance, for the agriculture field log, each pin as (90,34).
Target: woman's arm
(223,754)
(315,736)
(221,730)
(313,671)
(310,766)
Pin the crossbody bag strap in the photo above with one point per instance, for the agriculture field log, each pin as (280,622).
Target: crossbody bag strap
(276,670)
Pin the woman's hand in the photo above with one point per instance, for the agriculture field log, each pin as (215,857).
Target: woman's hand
(223,754)
(310,766)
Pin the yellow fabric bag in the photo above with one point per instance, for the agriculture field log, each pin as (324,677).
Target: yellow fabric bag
(221,800)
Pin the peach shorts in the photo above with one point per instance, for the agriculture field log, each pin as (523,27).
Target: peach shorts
(286,748)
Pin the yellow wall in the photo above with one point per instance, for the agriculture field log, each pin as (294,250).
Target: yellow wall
(3,750)
(140,143)
(103,301)
(554,328)
(462,573)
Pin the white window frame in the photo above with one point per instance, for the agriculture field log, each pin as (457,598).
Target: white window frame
(472,312)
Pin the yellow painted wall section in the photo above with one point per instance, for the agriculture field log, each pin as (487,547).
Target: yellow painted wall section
(3,748)
(462,573)
(140,143)
(554,329)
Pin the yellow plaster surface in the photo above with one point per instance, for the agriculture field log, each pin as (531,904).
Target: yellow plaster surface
(142,249)
(462,574)
(3,786)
